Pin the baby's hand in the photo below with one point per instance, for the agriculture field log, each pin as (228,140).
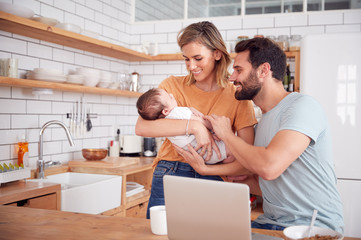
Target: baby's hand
(196,112)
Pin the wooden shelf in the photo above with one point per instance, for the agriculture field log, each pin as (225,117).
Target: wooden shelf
(41,31)
(27,83)
(289,54)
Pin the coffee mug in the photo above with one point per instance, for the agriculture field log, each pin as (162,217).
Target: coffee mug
(158,220)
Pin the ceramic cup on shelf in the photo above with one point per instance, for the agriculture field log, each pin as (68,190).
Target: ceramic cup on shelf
(158,220)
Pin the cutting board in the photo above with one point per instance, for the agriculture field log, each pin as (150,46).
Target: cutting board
(107,163)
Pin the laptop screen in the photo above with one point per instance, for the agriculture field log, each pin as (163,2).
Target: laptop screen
(206,209)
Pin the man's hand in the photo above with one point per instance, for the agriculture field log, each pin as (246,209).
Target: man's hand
(221,125)
(205,141)
(192,158)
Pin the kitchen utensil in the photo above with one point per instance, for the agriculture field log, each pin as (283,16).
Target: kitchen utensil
(314,215)
(89,124)
(94,154)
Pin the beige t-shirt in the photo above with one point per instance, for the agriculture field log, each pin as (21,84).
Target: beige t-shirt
(221,102)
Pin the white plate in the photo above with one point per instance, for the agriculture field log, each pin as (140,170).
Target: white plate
(69,27)
(45,20)
(48,71)
(16,10)
(46,77)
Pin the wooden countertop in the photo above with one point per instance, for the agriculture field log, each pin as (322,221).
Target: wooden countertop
(117,165)
(19,190)
(26,223)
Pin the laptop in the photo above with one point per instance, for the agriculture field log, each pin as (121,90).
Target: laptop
(208,209)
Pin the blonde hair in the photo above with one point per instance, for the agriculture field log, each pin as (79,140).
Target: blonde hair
(207,34)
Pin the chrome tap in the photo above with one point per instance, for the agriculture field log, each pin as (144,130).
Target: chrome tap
(41,162)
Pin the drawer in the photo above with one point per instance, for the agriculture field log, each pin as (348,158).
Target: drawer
(43,202)
(139,211)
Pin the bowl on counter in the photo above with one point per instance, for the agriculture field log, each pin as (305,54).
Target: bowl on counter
(94,154)
(301,232)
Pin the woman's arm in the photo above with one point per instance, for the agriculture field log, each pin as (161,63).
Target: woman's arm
(173,127)
(160,127)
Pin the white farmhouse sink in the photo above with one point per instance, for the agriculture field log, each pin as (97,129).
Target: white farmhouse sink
(87,193)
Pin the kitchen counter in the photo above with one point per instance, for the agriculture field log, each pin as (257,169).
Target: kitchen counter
(31,194)
(26,223)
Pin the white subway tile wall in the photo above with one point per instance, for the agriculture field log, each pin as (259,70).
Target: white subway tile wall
(21,112)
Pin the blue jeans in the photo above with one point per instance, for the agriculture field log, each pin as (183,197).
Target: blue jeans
(170,168)
(266,226)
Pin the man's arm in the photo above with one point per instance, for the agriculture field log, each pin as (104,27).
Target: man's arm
(267,162)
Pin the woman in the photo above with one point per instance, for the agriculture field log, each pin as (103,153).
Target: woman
(208,90)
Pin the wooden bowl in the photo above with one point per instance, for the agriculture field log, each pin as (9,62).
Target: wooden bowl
(94,154)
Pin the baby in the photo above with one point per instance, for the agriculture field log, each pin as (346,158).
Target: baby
(157,103)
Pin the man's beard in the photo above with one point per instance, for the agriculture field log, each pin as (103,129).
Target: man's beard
(250,87)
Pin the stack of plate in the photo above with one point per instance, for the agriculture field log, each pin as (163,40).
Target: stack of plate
(76,79)
(134,188)
(46,74)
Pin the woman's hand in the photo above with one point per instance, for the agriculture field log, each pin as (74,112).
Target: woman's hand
(192,158)
(205,140)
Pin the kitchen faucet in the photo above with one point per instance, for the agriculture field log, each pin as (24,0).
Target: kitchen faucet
(41,162)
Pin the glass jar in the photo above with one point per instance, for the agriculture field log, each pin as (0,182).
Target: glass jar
(295,42)
(241,38)
(282,42)
(272,37)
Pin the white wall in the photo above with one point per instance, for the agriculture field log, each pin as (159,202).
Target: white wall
(21,112)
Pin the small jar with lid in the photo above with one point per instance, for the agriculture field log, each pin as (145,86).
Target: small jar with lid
(282,42)
(241,38)
(295,42)
(272,37)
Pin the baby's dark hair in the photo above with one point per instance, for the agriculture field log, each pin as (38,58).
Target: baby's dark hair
(149,105)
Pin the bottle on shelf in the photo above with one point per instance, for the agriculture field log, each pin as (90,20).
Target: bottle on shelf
(291,84)
(114,148)
(23,151)
(287,78)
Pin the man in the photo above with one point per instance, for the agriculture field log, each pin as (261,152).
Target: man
(292,150)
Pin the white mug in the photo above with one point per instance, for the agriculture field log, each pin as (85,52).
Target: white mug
(158,220)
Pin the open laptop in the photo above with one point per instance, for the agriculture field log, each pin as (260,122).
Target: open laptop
(207,209)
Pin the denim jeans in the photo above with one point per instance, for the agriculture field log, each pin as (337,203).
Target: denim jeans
(266,226)
(170,168)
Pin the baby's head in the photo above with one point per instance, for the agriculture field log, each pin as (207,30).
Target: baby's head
(155,103)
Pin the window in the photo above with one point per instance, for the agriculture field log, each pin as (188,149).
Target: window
(150,10)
